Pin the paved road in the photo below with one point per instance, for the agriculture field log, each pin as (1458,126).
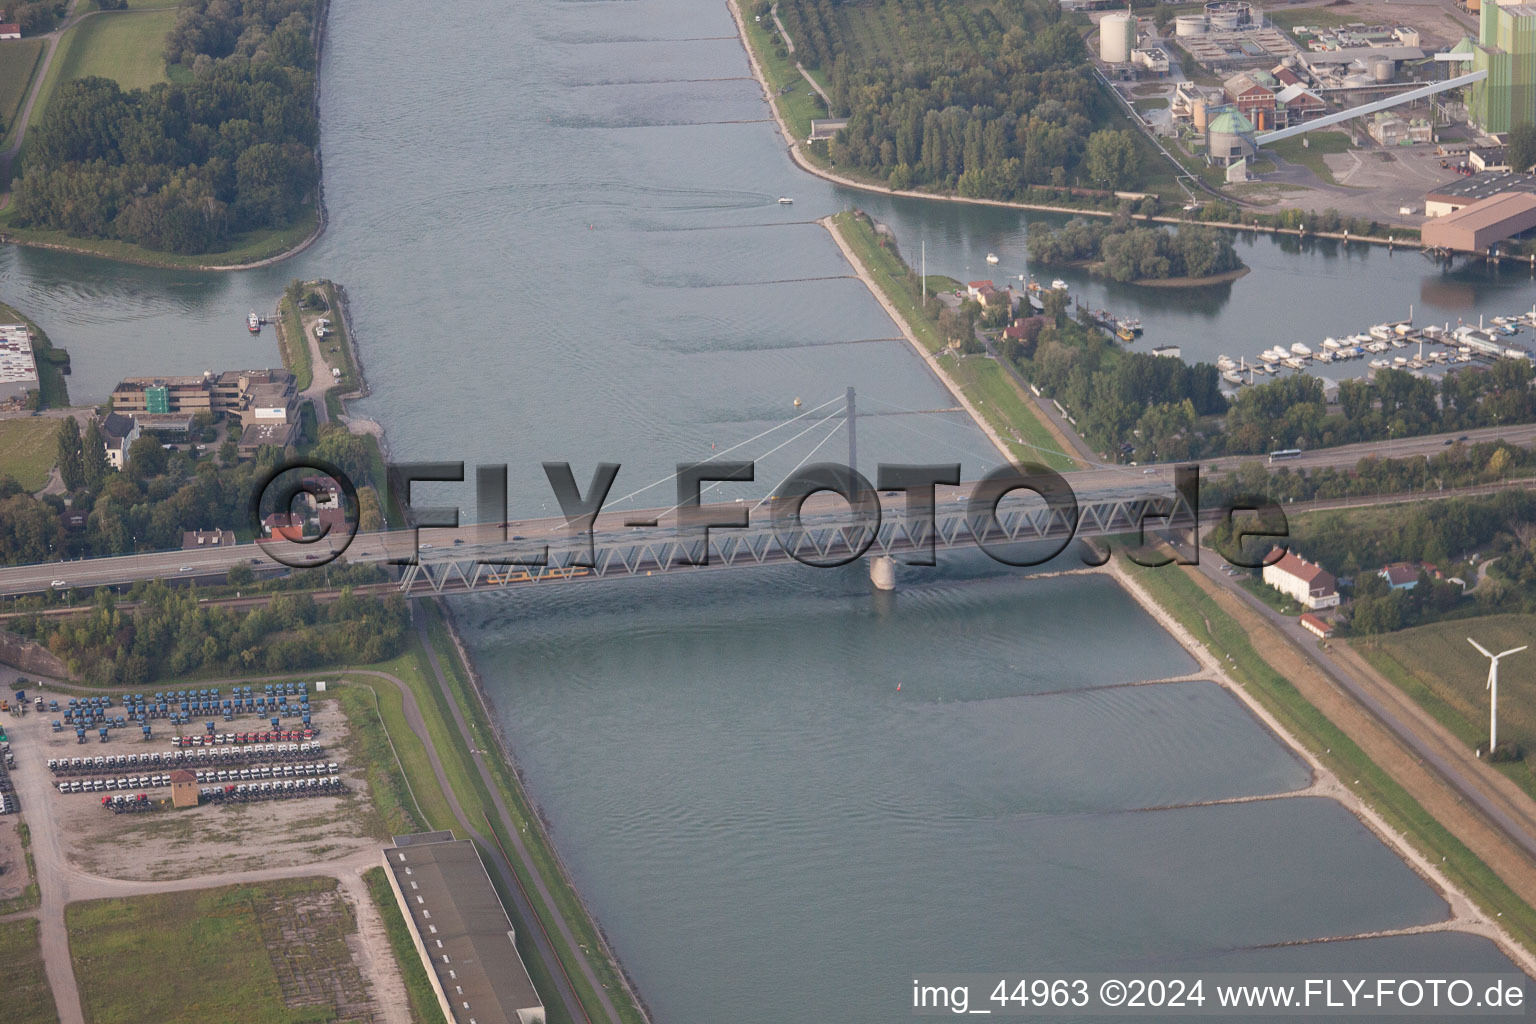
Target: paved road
(1499,801)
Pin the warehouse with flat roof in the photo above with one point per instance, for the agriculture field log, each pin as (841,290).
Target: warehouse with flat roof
(1463,192)
(18,366)
(461,931)
(1476,227)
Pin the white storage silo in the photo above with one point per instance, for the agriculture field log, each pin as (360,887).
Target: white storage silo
(1186,25)
(1117,37)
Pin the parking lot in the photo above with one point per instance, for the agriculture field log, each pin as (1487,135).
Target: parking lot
(266,797)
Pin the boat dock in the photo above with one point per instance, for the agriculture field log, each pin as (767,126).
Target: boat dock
(1391,345)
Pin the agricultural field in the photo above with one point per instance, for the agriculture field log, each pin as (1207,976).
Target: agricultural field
(230,951)
(125,46)
(879,32)
(27,998)
(18,60)
(28,450)
(1436,666)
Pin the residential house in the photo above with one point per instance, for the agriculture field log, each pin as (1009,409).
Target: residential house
(118,432)
(1400,575)
(10,30)
(975,288)
(1306,583)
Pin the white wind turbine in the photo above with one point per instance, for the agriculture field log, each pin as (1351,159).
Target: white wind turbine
(1493,688)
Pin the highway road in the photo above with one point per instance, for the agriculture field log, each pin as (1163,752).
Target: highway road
(614,527)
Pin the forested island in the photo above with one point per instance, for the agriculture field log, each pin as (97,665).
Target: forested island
(188,166)
(980,101)
(1121,251)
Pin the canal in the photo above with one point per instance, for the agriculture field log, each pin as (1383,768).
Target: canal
(558,224)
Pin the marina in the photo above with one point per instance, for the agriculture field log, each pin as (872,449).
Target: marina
(1431,347)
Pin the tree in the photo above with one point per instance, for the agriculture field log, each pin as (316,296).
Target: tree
(1112,159)
(94,455)
(146,458)
(71,463)
(1522,147)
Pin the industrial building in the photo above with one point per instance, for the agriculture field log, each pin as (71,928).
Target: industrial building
(1463,192)
(1506,49)
(262,403)
(18,366)
(461,931)
(1229,138)
(1117,37)
(1476,227)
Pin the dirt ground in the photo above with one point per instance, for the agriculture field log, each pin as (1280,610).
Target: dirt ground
(210,838)
(1441,23)
(13,861)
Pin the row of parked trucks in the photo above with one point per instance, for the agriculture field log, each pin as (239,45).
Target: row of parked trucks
(185,758)
(316,769)
(331,785)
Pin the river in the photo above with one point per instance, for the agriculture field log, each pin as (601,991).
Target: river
(559,229)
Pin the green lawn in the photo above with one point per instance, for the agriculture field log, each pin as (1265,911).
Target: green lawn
(202,956)
(28,448)
(1185,600)
(1151,103)
(18,60)
(1436,666)
(1311,156)
(27,998)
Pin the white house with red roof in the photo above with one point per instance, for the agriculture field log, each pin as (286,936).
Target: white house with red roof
(10,31)
(1306,583)
(975,288)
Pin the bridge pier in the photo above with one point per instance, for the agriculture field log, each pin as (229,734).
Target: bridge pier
(882,572)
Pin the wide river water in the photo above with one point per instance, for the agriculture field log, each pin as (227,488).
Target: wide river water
(558,226)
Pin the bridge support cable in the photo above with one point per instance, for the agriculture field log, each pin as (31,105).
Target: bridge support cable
(741,444)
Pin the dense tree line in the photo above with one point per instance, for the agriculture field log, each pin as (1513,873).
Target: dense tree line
(1291,412)
(171,635)
(184,166)
(985,102)
(1126,252)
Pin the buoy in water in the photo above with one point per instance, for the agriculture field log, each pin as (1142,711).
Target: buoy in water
(797,403)
(898,686)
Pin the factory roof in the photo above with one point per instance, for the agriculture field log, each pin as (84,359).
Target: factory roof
(1351,54)
(1483,186)
(1488,212)
(17,365)
(464,929)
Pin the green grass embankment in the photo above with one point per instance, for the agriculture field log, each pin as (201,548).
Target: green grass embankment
(418,987)
(293,345)
(983,380)
(792,95)
(245,250)
(1184,599)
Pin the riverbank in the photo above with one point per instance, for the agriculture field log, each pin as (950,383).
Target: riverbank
(1039,440)
(256,249)
(811,166)
(1337,742)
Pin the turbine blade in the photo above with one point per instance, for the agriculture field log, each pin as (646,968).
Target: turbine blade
(1513,650)
(1485,652)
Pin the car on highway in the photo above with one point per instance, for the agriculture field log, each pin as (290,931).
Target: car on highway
(185,568)
(58,583)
